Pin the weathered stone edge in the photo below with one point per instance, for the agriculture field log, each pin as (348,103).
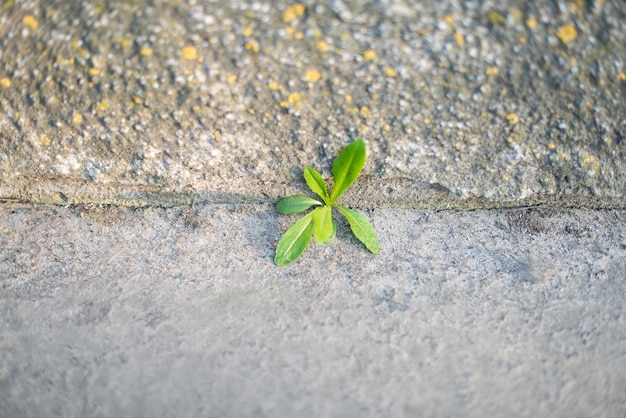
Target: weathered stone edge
(367,192)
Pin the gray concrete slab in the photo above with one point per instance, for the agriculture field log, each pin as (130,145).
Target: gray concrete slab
(181,312)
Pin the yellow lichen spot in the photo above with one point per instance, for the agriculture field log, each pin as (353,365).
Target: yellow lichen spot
(294,99)
(590,162)
(512,118)
(45,141)
(137,99)
(551,145)
(252,46)
(322,46)
(492,71)
(422,32)
(292,12)
(567,33)
(5,82)
(31,22)
(251,111)
(231,79)
(129,104)
(8,4)
(145,52)
(190,52)
(272,85)
(217,134)
(522,39)
(365,112)
(531,23)
(248,32)
(370,55)
(123,42)
(427,121)
(289,30)
(570,106)
(448,19)
(298,35)
(496,18)
(348,98)
(390,72)
(78,118)
(94,71)
(459,38)
(103,105)
(621,76)
(312,76)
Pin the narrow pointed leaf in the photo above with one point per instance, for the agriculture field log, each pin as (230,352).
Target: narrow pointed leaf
(295,204)
(322,223)
(332,236)
(347,167)
(293,242)
(361,227)
(316,183)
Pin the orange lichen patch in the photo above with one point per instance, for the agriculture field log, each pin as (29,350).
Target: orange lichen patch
(370,55)
(298,35)
(459,38)
(492,71)
(78,118)
(103,105)
(292,12)
(365,112)
(512,118)
(390,72)
(248,32)
(252,46)
(322,46)
(427,121)
(190,52)
(567,33)
(94,71)
(231,79)
(272,85)
(45,141)
(531,23)
(31,22)
(312,76)
(289,30)
(621,76)
(5,82)
(146,52)
(294,99)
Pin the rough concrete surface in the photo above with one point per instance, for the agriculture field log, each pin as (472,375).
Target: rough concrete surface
(181,312)
(143,144)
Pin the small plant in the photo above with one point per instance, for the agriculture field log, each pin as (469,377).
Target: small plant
(320,222)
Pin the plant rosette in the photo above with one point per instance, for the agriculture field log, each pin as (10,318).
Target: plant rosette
(320,222)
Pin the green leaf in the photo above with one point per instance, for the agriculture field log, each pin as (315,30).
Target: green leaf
(322,223)
(293,242)
(295,204)
(332,236)
(347,167)
(316,183)
(361,227)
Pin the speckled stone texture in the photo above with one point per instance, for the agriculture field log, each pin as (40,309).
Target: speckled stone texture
(501,100)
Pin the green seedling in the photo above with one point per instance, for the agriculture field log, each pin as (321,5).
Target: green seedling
(320,222)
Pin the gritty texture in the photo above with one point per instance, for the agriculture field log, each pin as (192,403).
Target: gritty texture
(180,312)
(501,100)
